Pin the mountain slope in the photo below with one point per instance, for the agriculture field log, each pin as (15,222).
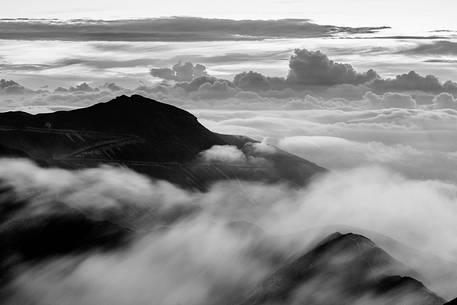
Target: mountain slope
(343,269)
(165,132)
(154,138)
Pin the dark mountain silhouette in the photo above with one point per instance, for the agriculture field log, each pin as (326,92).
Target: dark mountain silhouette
(9,152)
(154,138)
(343,269)
(437,273)
(43,236)
(453,302)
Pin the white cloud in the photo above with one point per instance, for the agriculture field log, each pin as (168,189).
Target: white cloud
(223,153)
(199,255)
(391,100)
(445,100)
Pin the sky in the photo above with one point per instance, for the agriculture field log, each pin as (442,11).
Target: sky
(41,64)
(410,15)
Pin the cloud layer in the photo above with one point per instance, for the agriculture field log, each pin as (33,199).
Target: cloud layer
(200,257)
(169,29)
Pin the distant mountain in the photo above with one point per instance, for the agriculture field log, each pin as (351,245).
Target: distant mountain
(437,273)
(154,138)
(343,269)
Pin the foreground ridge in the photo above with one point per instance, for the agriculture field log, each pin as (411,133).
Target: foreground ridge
(343,269)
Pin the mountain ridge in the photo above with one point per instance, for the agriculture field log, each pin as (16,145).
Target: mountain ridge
(342,269)
(153,138)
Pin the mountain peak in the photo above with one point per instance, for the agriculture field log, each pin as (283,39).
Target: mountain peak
(346,241)
(137,101)
(348,268)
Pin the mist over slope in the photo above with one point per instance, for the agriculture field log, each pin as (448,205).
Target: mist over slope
(157,139)
(343,269)
(111,235)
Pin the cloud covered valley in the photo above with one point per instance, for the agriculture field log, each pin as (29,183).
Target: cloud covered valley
(180,247)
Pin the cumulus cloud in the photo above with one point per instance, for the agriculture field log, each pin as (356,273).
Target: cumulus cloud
(445,100)
(346,91)
(254,81)
(112,87)
(248,96)
(17,97)
(83,87)
(11,87)
(219,89)
(180,72)
(391,100)
(312,73)
(309,102)
(315,68)
(336,85)
(223,153)
(411,81)
(307,70)
(228,154)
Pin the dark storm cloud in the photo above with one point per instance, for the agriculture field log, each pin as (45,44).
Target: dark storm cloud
(170,29)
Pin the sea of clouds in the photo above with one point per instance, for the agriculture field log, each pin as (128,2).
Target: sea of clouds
(389,145)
